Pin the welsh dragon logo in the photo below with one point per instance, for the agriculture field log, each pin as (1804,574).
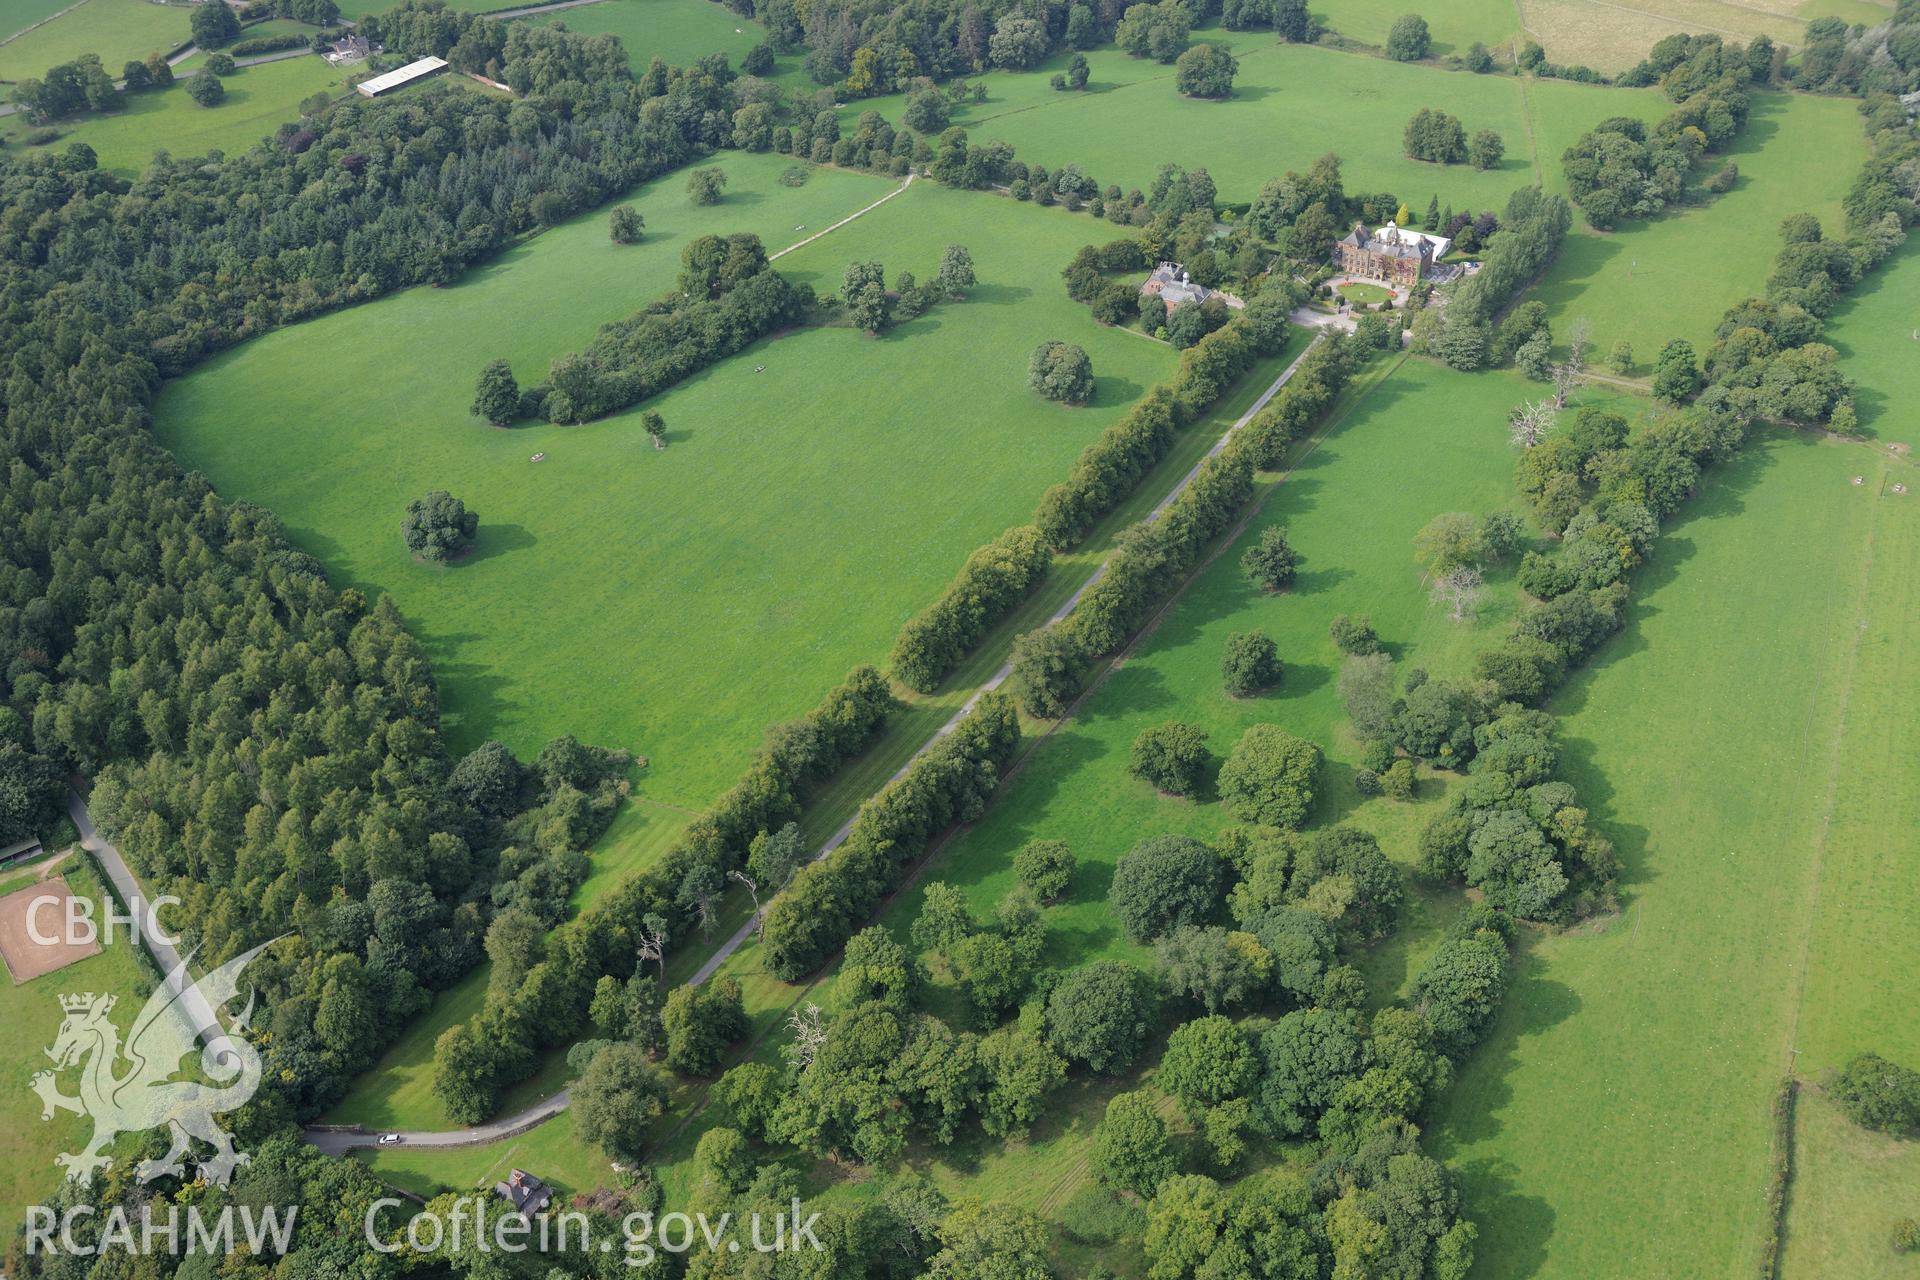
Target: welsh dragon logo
(134,1087)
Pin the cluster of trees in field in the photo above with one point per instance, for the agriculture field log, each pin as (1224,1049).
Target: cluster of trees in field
(1835,57)
(863,50)
(1622,170)
(1878,1094)
(317,13)
(1150,557)
(84,85)
(1271,1043)
(727,298)
(870,305)
(1439,138)
(644,917)
(1514,830)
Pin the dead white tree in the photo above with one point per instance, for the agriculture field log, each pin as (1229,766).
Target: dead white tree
(653,942)
(1565,377)
(1531,422)
(753,891)
(809,1027)
(1459,588)
(1579,343)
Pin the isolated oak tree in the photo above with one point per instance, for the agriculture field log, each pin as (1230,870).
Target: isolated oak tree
(497,396)
(1172,756)
(1205,71)
(956,271)
(1044,868)
(707,186)
(1270,563)
(616,1098)
(439,527)
(1250,663)
(1409,39)
(625,224)
(1270,777)
(1062,372)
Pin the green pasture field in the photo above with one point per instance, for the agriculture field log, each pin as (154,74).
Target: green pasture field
(1674,276)
(398,1092)
(259,99)
(679,31)
(1740,743)
(117,30)
(1455,25)
(31,1014)
(1298,101)
(1874,331)
(24,14)
(1850,1186)
(674,602)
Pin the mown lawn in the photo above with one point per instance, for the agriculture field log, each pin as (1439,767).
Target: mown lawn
(674,602)
(1727,742)
(259,100)
(31,1014)
(1675,276)
(115,29)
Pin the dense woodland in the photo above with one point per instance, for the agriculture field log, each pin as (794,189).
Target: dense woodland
(264,744)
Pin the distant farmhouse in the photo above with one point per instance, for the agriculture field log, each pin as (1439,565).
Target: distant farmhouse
(526,1193)
(1397,256)
(351,49)
(1174,286)
(400,77)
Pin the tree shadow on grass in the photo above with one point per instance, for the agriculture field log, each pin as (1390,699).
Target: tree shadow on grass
(496,540)
(1108,391)
(1315,580)
(473,695)
(996,295)
(1522,1223)
(1133,689)
(1534,1004)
